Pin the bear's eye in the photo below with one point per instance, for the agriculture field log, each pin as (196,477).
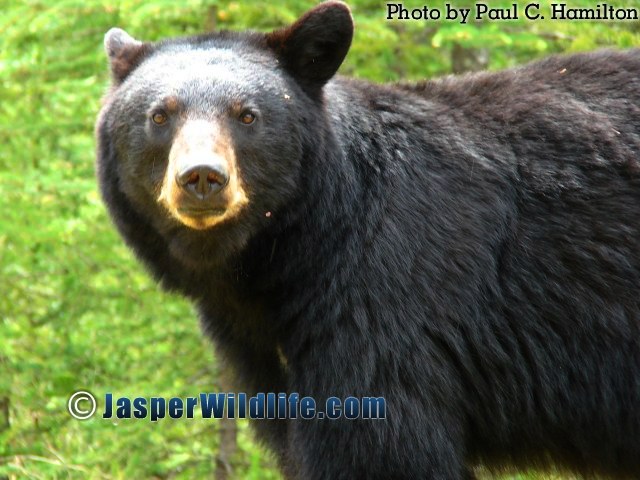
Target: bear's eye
(247,118)
(159,118)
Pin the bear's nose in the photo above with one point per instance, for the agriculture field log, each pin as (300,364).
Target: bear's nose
(202,181)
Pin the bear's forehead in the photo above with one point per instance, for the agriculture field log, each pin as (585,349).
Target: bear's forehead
(197,56)
(214,70)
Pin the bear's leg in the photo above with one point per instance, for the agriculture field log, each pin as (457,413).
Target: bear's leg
(254,372)
(347,449)
(421,436)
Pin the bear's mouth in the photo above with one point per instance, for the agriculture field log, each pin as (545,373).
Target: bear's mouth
(202,212)
(204,216)
(201,218)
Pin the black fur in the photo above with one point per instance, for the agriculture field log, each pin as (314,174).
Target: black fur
(468,248)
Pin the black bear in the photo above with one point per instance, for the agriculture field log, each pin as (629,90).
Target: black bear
(467,248)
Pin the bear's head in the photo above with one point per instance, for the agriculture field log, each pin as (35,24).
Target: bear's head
(205,138)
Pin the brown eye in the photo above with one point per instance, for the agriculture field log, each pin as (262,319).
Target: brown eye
(159,118)
(247,118)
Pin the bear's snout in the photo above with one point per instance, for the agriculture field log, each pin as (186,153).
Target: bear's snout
(203,181)
(202,187)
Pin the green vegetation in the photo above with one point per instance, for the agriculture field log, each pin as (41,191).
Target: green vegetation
(76,309)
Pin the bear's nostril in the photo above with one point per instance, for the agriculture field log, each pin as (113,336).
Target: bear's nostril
(193,178)
(214,177)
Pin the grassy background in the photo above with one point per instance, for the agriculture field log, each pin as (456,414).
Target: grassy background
(76,310)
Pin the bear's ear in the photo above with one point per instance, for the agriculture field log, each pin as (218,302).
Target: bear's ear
(124,52)
(313,48)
